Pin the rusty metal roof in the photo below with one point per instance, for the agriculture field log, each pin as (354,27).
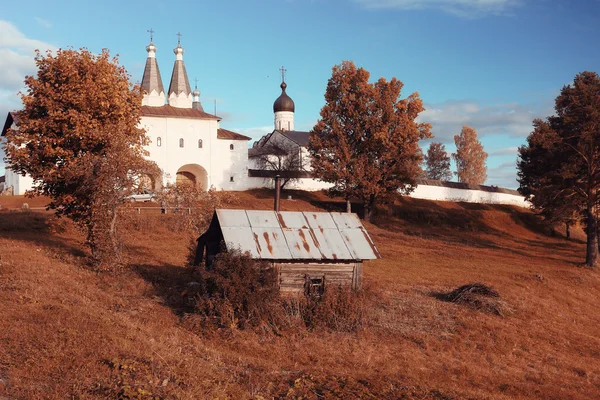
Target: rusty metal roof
(292,235)
(230,135)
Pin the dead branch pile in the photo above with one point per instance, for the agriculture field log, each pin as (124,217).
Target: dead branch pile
(479,297)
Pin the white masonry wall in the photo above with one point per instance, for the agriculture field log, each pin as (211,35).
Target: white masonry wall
(467,195)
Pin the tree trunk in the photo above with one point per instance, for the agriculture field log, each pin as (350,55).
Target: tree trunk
(369,207)
(568,230)
(591,256)
(113,235)
(348,206)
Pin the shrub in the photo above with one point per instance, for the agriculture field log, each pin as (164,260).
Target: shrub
(237,291)
(340,309)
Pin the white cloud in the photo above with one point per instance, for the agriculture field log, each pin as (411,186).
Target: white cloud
(504,175)
(16,56)
(460,8)
(507,151)
(514,120)
(43,22)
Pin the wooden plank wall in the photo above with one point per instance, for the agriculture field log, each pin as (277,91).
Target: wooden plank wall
(292,276)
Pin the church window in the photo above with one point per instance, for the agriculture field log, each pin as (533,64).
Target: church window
(181,142)
(158,141)
(199,143)
(288,125)
(279,125)
(231,179)
(230,147)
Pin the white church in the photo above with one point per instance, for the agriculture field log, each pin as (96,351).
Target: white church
(186,142)
(189,145)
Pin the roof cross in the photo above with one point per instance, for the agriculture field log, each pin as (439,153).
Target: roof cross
(196,82)
(151,32)
(283,71)
(179,35)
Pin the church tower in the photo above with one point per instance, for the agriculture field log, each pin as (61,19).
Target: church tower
(180,94)
(196,105)
(284,108)
(151,81)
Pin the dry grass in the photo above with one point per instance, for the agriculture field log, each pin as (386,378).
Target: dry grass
(67,332)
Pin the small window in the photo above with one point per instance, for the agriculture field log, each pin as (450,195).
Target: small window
(199,143)
(181,142)
(230,147)
(288,125)
(158,141)
(279,125)
(314,286)
(231,179)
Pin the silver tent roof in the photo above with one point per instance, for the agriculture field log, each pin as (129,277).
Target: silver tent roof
(294,235)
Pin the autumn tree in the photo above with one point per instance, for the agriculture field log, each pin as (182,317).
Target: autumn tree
(78,138)
(559,168)
(469,157)
(366,142)
(437,162)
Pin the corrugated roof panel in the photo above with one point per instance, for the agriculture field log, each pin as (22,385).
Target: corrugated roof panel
(346,221)
(360,244)
(240,238)
(320,220)
(271,243)
(292,220)
(262,219)
(331,244)
(233,218)
(301,244)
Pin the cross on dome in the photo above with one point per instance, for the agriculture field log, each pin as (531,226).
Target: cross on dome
(151,32)
(283,71)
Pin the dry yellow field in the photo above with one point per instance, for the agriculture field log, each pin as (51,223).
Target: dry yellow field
(69,332)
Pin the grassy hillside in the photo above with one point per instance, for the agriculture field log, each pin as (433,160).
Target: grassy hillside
(68,332)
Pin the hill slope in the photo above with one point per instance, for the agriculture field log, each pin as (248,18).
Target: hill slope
(68,332)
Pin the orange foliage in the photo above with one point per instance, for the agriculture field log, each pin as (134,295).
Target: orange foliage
(469,157)
(367,140)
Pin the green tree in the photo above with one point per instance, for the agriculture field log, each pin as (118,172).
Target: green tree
(559,168)
(78,138)
(367,141)
(437,162)
(469,157)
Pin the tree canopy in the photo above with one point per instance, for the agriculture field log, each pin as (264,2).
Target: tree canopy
(437,162)
(469,157)
(366,142)
(559,168)
(78,138)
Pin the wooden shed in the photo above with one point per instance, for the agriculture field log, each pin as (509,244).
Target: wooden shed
(309,249)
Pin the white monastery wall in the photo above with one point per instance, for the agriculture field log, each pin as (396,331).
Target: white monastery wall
(229,166)
(19,183)
(467,195)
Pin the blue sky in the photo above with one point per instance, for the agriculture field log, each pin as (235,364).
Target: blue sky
(491,64)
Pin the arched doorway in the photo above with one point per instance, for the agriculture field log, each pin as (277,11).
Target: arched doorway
(192,174)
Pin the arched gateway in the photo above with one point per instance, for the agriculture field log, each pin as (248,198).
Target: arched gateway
(192,174)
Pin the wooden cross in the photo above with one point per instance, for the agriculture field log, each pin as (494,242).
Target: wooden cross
(151,32)
(179,38)
(283,71)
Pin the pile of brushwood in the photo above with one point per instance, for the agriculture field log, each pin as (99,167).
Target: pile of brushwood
(477,296)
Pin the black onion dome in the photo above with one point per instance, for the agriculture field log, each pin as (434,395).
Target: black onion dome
(283,102)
